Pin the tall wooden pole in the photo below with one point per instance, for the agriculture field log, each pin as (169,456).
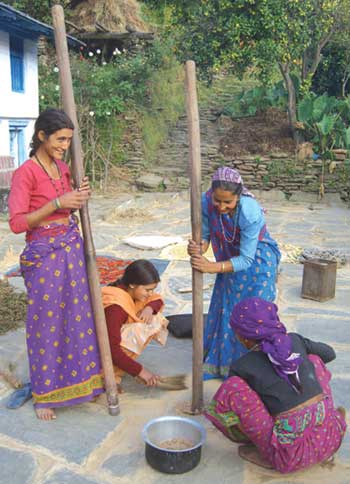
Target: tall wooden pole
(78,173)
(196,222)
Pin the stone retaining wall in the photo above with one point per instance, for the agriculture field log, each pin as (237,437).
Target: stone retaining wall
(291,176)
(276,171)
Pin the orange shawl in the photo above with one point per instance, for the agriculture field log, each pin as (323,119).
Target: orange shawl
(136,334)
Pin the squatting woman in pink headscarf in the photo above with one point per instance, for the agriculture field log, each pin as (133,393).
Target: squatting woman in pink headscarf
(246,263)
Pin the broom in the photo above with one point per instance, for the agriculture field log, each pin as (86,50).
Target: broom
(172,382)
(9,376)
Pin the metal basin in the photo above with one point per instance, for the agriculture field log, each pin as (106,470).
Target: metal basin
(166,428)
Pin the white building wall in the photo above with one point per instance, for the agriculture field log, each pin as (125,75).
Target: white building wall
(5,78)
(14,105)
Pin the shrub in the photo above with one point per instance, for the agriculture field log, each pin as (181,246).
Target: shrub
(260,98)
(146,82)
(325,121)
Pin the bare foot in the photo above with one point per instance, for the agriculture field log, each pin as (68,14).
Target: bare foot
(250,453)
(342,411)
(328,463)
(45,413)
(120,388)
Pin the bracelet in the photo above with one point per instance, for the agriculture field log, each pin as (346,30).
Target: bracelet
(222,266)
(57,203)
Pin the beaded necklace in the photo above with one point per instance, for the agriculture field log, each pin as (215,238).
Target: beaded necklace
(50,177)
(227,237)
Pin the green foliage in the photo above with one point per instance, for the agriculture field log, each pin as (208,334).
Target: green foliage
(222,88)
(334,70)
(283,167)
(97,89)
(166,103)
(257,99)
(240,34)
(106,89)
(246,32)
(38,9)
(149,83)
(325,120)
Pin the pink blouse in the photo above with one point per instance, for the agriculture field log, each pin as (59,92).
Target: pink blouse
(31,189)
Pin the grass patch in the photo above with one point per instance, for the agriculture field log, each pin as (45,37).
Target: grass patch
(166,105)
(223,90)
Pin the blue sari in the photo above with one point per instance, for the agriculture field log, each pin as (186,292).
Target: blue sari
(244,240)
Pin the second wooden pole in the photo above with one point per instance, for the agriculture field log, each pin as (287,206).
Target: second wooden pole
(196,222)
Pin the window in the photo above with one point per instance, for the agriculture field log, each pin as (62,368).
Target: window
(17,142)
(17,64)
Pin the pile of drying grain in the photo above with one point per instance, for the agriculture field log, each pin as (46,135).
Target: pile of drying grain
(12,308)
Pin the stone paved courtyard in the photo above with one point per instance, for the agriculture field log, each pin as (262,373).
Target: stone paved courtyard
(87,446)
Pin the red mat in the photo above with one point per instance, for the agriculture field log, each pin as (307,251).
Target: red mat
(109,268)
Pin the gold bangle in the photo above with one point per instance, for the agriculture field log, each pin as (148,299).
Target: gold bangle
(222,266)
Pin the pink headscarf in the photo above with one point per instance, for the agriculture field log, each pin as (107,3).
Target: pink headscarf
(226,174)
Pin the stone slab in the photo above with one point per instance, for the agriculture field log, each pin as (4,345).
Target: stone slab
(83,426)
(293,293)
(68,477)
(166,359)
(16,467)
(122,465)
(325,330)
(341,365)
(317,312)
(13,352)
(341,395)
(343,453)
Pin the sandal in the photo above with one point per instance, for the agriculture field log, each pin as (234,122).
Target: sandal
(20,397)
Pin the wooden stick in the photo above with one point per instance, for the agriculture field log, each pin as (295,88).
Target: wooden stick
(115,35)
(196,221)
(70,24)
(100,27)
(78,172)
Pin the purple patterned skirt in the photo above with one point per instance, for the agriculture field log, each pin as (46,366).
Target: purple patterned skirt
(291,441)
(62,347)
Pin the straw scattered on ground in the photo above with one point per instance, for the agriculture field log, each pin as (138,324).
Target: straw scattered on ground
(131,214)
(12,308)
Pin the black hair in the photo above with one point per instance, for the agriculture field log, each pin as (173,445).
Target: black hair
(227,186)
(140,273)
(49,121)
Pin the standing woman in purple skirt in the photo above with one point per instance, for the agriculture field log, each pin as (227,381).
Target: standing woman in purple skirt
(62,347)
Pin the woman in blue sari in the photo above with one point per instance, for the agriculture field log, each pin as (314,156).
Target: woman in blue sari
(246,263)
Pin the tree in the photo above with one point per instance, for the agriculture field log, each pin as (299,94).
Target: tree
(38,9)
(264,33)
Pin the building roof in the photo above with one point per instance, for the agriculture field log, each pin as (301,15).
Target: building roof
(18,23)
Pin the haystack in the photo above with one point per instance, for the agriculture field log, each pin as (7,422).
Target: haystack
(114,15)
